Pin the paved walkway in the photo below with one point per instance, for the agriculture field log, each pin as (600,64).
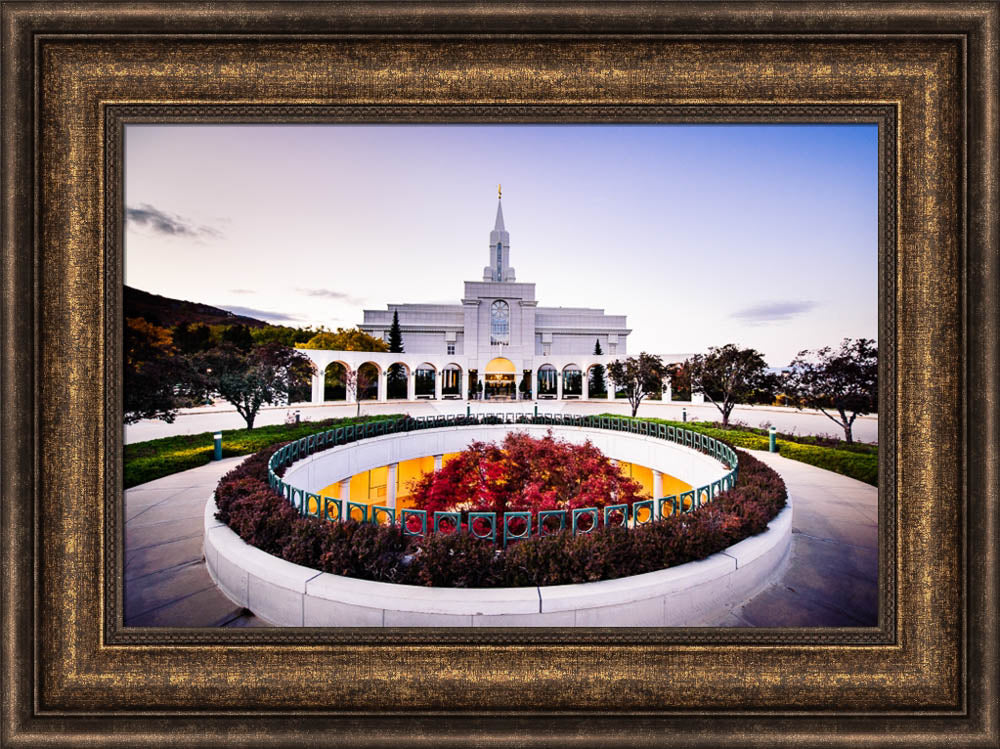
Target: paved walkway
(829,580)
(166,581)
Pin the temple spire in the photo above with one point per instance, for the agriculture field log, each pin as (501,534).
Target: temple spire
(498,226)
(499,268)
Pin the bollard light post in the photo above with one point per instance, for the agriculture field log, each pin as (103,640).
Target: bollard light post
(298,417)
(468,410)
(218,445)
(772,441)
(684,414)
(536,410)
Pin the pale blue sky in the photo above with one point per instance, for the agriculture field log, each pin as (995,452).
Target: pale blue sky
(702,235)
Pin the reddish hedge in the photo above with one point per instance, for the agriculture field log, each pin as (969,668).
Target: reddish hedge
(263,518)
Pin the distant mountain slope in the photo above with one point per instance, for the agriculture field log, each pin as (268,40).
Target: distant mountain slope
(161,310)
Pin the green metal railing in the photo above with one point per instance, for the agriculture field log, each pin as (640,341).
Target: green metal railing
(513,525)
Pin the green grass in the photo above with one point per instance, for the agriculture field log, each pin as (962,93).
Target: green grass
(857,460)
(146,461)
(153,459)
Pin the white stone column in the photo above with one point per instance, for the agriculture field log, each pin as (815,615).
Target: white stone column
(345,493)
(390,485)
(585,394)
(538,384)
(559,384)
(317,387)
(350,397)
(610,385)
(668,391)
(383,384)
(464,384)
(437,385)
(411,385)
(438,462)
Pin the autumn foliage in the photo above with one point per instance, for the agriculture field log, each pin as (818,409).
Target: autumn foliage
(525,474)
(262,518)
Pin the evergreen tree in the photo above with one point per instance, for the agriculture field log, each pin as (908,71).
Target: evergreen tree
(395,335)
(597,384)
(396,379)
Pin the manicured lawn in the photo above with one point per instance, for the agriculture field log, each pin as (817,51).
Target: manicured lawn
(145,461)
(857,460)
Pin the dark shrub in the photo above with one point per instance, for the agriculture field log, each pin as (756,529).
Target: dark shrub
(457,560)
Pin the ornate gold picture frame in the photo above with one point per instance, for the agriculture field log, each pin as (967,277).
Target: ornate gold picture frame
(75,74)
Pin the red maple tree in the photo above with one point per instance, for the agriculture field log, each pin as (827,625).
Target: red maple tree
(525,474)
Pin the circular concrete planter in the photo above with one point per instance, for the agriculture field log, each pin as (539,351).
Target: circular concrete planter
(692,594)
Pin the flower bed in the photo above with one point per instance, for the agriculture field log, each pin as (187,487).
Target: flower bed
(264,519)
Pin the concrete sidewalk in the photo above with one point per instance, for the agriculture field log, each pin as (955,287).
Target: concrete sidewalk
(166,581)
(831,576)
(829,580)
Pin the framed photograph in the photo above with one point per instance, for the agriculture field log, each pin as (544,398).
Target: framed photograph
(730,411)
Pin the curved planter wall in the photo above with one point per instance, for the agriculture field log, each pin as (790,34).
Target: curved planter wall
(692,594)
(323,468)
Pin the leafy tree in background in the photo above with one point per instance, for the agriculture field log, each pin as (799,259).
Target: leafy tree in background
(265,375)
(396,375)
(239,337)
(358,381)
(281,334)
(638,376)
(597,384)
(845,380)
(680,380)
(157,381)
(728,375)
(192,339)
(353,339)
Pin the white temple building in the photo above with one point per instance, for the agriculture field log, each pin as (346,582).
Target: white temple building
(496,338)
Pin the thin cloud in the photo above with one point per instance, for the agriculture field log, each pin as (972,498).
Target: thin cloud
(168,224)
(768,312)
(261,314)
(339,296)
(242,291)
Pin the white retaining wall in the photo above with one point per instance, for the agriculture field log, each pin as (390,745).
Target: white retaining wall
(338,463)
(693,594)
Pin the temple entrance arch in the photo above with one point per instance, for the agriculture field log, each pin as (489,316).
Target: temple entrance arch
(500,383)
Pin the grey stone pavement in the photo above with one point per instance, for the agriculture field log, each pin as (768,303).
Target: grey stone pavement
(829,578)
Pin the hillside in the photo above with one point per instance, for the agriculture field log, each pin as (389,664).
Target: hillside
(167,312)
